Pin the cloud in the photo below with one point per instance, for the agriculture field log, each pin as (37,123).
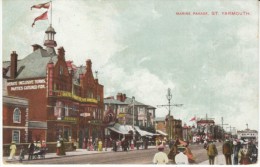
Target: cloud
(142,48)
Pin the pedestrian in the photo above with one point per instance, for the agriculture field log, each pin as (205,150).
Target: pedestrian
(160,157)
(132,144)
(236,149)
(212,152)
(189,154)
(95,144)
(105,144)
(22,153)
(39,145)
(181,158)
(62,147)
(205,144)
(244,155)
(227,150)
(253,150)
(173,152)
(114,143)
(13,150)
(100,147)
(31,149)
(43,146)
(170,144)
(58,148)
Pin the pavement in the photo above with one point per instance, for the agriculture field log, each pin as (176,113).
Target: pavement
(219,160)
(71,153)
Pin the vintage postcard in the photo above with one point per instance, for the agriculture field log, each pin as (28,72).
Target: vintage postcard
(130,82)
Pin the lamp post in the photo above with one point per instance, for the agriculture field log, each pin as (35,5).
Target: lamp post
(169,118)
(133,110)
(133,115)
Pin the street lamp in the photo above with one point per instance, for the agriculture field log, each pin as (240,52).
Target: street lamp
(133,98)
(133,111)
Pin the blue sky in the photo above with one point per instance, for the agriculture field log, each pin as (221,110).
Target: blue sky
(142,48)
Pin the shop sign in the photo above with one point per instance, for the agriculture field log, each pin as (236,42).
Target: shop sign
(85,114)
(75,97)
(27,85)
(72,119)
(120,115)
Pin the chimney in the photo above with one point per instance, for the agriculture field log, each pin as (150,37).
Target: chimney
(61,53)
(13,72)
(89,65)
(119,96)
(124,97)
(36,46)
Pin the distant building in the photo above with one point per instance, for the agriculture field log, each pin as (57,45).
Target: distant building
(187,132)
(247,134)
(160,124)
(120,110)
(205,128)
(172,127)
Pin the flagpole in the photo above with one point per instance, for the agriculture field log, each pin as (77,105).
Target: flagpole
(51,12)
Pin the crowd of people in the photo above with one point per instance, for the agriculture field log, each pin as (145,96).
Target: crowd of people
(34,150)
(179,153)
(235,152)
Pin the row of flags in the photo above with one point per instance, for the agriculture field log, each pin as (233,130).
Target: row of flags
(43,16)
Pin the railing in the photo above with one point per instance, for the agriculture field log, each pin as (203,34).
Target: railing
(74,97)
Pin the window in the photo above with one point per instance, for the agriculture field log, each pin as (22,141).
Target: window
(17,115)
(16,136)
(66,110)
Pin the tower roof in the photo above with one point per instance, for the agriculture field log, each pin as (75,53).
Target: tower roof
(50,29)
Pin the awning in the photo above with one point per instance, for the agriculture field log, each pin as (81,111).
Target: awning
(161,132)
(119,129)
(142,132)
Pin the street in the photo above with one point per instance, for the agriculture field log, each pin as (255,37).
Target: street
(129,157)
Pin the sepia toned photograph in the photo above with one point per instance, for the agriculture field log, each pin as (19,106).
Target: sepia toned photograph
(130,82)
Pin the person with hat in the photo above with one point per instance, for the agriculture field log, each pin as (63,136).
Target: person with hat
(189,154)
(212,152)
(227,150)
(181,158)
(236,148)
(244,155)
(31,149)
(160,157)
(13,150)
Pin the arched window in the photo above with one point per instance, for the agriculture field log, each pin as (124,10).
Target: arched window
(17,115)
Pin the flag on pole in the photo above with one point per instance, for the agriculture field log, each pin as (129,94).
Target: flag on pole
(43,5)
(193,119)
(44,16)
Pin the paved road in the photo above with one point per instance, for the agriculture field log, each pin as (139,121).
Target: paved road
(129,157)
(110,157)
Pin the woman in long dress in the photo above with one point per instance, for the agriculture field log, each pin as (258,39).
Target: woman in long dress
(244,155)
(189,154)
(13,150)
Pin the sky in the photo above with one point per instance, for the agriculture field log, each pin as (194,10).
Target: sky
(142,48)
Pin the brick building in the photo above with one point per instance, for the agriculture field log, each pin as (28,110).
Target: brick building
(15,118)
(120,110)
(65,99)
